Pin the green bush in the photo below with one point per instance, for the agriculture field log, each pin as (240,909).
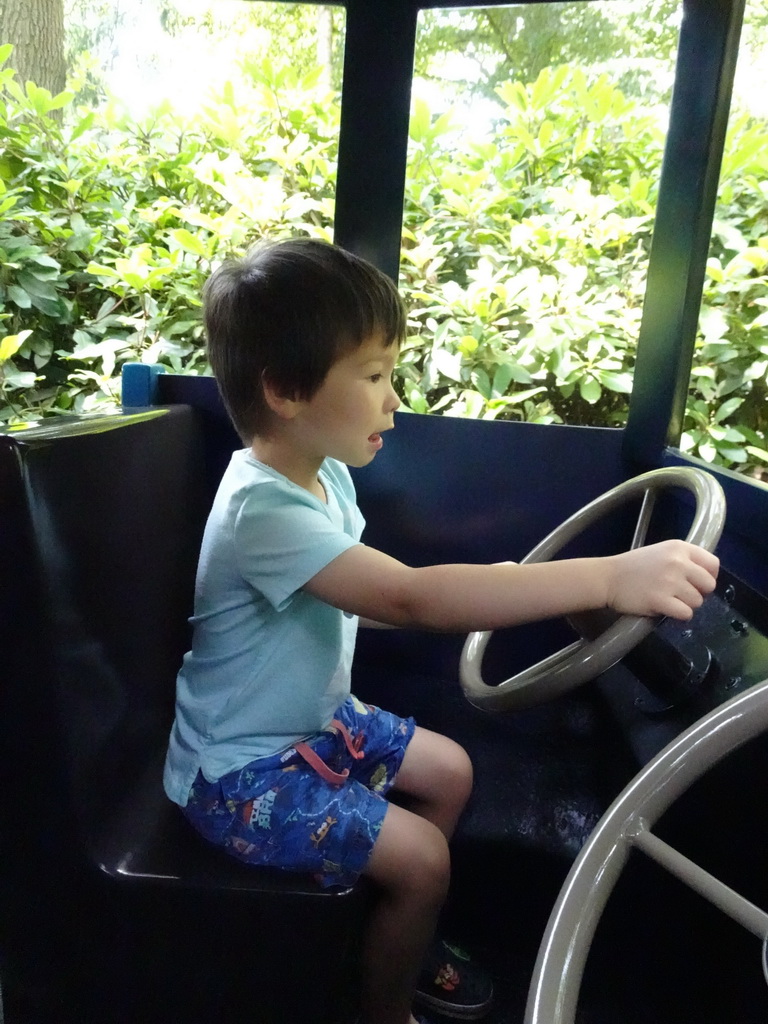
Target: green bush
(529,253)
(524,256)
(109,227)
(526,260)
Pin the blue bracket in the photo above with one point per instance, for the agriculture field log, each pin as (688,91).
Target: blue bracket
(139,384)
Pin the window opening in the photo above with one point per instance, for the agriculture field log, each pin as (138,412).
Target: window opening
(535,150)
(190,130)
(726,419)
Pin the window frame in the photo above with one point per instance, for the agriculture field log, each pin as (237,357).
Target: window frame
(370,189)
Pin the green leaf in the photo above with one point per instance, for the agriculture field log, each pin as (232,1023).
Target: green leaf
(467,345)
(35,286)
(737,455)
(83,125)
(474,403)
(448,363)
(517,397)
(17,92)
(590,389)
(416,400)
(714,324)
(42,259)
(707,451)
(39,98)
(19,296)
(502,378)
(715,269)
(18,379)
(63,99)
(728,408)
(508,372)
(51,307)
(729,234)
(482,382)
(546,132)
(99,270)
(620,382)
(189,242)
(11,344)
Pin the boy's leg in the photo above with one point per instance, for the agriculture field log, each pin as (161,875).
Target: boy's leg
(436,775)
(411,866)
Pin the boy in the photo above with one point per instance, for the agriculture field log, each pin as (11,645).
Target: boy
(269,755)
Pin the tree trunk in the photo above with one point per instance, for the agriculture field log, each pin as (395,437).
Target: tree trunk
(36,29)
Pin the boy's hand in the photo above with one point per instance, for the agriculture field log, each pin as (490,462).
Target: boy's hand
(670,578)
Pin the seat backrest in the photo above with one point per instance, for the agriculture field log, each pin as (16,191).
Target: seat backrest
(101,527)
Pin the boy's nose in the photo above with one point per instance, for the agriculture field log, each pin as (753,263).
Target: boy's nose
(394,401)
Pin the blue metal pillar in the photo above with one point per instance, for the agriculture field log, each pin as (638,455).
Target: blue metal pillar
(373,140)
(709,41)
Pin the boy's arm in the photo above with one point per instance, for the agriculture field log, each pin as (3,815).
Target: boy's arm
(670,578)
(373,624)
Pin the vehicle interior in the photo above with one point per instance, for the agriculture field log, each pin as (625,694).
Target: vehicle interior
(114,912)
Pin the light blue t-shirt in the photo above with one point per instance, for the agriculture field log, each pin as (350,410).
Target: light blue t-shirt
(269,663)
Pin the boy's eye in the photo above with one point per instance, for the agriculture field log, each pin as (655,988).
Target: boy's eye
(375,378)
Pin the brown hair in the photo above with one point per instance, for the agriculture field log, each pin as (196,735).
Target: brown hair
(286,312)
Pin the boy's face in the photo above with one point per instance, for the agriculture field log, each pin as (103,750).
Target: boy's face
(354,405)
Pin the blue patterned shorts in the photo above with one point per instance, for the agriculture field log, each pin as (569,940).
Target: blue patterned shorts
(316,807)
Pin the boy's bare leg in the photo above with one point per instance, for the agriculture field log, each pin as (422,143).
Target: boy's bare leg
(436,775)
(411,866)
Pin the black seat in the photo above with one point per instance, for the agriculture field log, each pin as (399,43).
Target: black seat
(107,885)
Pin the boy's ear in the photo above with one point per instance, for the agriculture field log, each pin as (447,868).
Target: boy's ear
(282,405)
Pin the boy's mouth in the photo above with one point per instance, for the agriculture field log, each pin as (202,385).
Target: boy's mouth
(375,440)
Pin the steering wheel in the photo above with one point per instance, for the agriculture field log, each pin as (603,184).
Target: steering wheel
(588,657)
(554,990)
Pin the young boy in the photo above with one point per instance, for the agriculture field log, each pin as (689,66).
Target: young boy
(270,756)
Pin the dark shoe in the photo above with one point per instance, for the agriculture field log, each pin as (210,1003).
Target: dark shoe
(452,985)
